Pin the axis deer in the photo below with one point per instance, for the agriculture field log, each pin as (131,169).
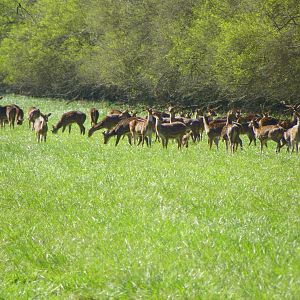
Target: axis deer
(166,131)
(33,114)
(68,118)
(94,114)
(121,129)
(41,127)
(142,128)
(109,122)
(213,131)
(268,132)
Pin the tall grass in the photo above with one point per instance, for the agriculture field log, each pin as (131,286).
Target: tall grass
(84,220)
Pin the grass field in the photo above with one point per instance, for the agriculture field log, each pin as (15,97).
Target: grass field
(84,220)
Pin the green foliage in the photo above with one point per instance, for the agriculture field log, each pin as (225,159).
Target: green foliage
(84,220)
(149,50)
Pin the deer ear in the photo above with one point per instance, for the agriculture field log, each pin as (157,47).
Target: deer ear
(49,114)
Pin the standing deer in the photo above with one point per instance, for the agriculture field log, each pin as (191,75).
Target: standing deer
(292,135)
(68,119)
(41,127)
(268,132)
(231,133)
(213,131)
(94,114)
(166,131)
(33,114)
(142,128)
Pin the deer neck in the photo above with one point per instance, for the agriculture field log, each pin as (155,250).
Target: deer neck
(206,125)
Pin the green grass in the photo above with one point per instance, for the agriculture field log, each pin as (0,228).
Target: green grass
(84,220)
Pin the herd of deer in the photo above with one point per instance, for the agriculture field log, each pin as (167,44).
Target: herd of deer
(168,126)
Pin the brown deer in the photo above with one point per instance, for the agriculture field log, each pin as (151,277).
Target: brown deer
(33,114)
(121,129)
(68,118)
(109,122)
(244,128)
(213,131)
(41,127)
(3,117)
(267,120)
(11,113)
(292,135)
(166,131)
(142,128)
(94,114)
(231,133)
(115,112)
(268,132)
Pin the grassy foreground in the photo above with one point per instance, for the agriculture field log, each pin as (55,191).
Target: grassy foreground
(83,220)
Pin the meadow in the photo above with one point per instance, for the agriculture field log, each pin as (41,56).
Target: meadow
(84,220)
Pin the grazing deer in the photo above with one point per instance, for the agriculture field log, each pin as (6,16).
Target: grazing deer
(20,115)
(41,127)
(121,129)
(142,128)
(109,122)
(94,114)
(213,131)
(11,113)
(166,131)
(33,114)
(268,132)
(68,118)
(14,113)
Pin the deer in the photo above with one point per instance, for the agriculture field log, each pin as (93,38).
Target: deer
(292,135)
(142,128)
(109,122)
(14,114)
(166,131)
(121,129)
(245,129)
(213,131)
(11,113)
(3,117)
(68,118)
(114,112)
(41,127)
(267,120)
(94,114)
(33,114)
(231,133)
(268,132)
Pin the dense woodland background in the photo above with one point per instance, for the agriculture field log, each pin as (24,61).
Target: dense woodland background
(240,53)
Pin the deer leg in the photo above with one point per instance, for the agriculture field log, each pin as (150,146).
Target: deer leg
(210,141)
(64,128)
(117,140)
(82,129)
(69,128)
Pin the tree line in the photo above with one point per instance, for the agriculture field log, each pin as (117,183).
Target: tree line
(190,52)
